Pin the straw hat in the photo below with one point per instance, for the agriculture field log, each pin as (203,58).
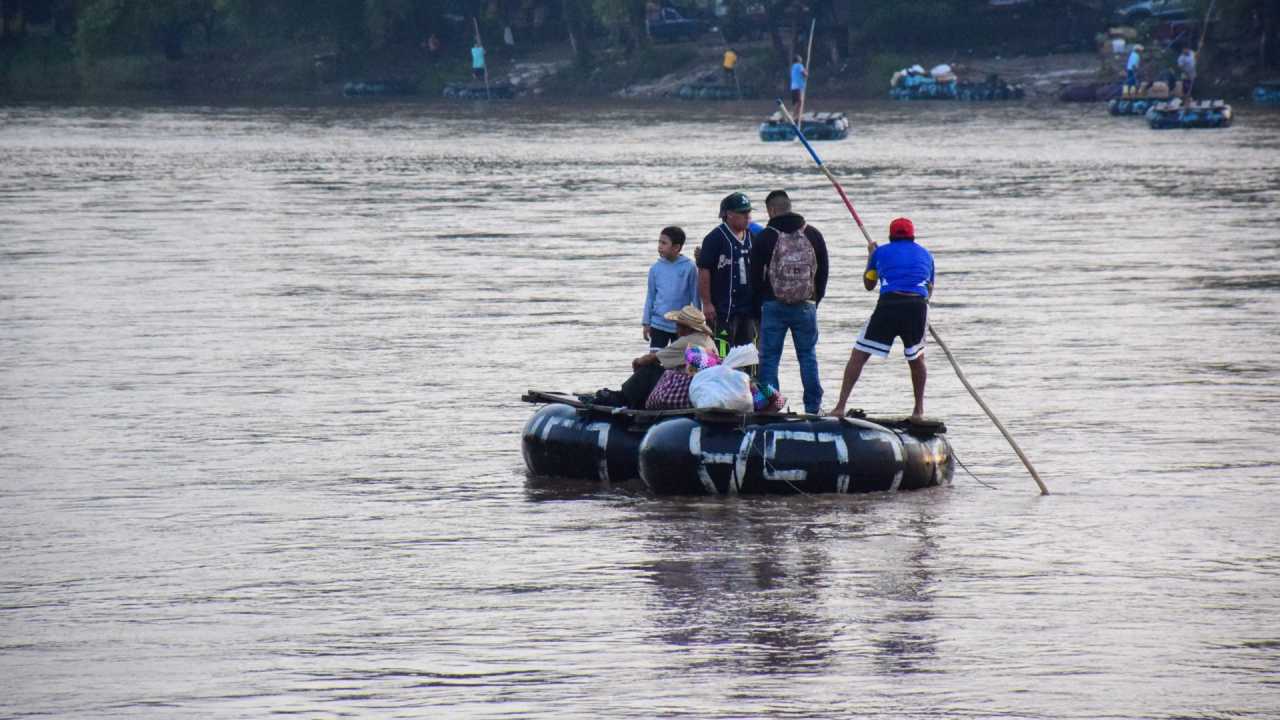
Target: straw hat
(691,317)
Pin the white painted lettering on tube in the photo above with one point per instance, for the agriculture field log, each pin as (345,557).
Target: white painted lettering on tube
(602,441)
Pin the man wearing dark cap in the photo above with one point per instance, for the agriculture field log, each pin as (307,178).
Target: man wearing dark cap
(724,273)
(905,273)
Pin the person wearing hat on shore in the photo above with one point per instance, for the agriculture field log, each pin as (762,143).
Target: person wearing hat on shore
(691,331)
(1187,70)
(1131,71)
(905,273)
(724,273)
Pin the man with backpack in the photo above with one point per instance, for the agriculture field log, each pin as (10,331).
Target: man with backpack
(789,269)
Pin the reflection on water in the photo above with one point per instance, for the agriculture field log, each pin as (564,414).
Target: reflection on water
(259,419)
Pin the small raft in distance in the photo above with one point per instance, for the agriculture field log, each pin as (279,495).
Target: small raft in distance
(1202,114)
(815,126)
(695,452)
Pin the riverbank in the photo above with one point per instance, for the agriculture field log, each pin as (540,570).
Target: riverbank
(653,73)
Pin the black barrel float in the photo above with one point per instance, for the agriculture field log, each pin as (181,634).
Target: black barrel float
(562,441)
(685,456)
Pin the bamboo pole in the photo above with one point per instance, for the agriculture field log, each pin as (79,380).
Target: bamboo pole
(933,333)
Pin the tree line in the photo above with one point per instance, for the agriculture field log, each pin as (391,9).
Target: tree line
(174,28)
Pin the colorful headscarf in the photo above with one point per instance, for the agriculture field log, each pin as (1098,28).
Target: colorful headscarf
(700,358)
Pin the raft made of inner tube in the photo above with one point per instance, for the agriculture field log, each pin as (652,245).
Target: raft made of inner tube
(1267,93)
(1202,114)
(953,90)
(478,91)
(815,126)
(379,87)
(692,452)
(1133,105)
(707,91)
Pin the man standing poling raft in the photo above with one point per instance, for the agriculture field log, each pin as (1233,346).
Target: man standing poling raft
(905,273)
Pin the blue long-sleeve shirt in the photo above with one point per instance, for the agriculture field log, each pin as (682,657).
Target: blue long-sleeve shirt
(672,285)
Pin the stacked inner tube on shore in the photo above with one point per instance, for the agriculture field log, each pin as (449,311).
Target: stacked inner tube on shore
(704,91)
(1133,105)
(952,90)
(692,452)
(379,87)
(815,126)
(1202,114)
(478,91)
(1267,93)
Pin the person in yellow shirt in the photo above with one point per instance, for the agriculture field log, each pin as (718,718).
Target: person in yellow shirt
(730,63)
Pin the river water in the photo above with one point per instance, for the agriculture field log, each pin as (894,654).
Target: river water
(260,378)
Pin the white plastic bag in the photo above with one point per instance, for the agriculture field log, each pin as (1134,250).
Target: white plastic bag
(723,386)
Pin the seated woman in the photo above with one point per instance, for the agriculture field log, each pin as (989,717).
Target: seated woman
(691,331)
(672,390)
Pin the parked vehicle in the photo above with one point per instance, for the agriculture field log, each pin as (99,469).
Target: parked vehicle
(1134,13)
(670,26)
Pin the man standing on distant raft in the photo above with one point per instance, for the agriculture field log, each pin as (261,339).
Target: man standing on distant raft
(1131,72)
(905,273)
(798,75)
(724,276)
(789,268)
(477,60)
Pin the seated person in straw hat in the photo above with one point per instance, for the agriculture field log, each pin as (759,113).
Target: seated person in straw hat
(691,331)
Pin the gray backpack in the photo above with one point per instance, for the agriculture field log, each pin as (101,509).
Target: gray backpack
(793,267)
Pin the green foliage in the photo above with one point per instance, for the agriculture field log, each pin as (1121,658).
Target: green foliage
(120,27)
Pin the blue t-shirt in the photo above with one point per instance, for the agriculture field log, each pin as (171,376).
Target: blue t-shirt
(477,58)
(797,76)
(728,260)
(902,266)
(1134,60)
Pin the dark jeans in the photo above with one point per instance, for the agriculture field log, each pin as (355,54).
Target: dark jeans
(659,339)
(738,330)
(640,384)
(802,320)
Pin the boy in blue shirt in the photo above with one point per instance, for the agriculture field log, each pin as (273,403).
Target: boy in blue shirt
(905,273)
(673,284)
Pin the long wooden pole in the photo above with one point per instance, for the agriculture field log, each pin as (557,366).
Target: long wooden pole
(999,426)
(807,57)
(934,333)
(1204,31)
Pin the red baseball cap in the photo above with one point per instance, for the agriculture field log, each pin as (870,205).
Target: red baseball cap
(902,229)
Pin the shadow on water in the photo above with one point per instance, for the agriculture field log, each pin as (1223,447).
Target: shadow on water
(758,587)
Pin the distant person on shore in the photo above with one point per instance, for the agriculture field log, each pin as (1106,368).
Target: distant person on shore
(477,60)
(724,274)
(730,65)
(1131,71)
(1187,68)
(789,269)
(905,273)
(673,284)
(798,76)
(432,45)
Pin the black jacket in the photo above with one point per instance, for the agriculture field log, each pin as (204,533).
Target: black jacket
(762,253)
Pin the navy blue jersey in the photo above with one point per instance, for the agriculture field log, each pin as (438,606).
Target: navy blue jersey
(729,263)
